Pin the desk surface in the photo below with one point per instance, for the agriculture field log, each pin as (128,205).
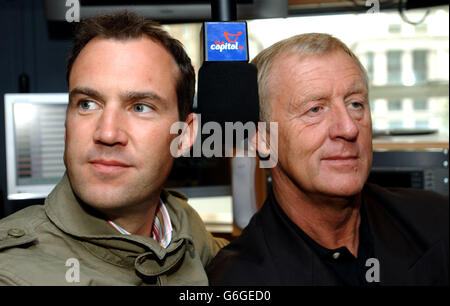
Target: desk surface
(417,142)
(216,212)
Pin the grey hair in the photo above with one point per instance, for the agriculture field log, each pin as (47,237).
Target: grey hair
(303,45)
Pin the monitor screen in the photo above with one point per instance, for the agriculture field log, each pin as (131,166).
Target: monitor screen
(34,143)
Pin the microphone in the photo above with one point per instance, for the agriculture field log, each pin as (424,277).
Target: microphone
(228,94)
(227,83)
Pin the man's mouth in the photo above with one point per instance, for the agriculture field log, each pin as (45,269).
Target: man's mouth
(341,157)
(108,166)
(341,160)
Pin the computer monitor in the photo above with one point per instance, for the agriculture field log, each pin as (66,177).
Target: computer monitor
(34,128)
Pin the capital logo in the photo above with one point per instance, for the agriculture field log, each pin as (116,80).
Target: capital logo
(232,43)
(226,41)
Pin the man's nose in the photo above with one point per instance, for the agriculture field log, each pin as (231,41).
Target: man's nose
(343,125)
(110,128)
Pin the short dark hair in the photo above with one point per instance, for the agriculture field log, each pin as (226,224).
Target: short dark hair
(125,25)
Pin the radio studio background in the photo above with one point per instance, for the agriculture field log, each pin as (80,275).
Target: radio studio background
(405,53)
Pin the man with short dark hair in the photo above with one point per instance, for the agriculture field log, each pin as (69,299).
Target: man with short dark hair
(109,221)
(322,224)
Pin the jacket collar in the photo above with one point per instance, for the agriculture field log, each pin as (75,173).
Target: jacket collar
(395,252)
(77,219)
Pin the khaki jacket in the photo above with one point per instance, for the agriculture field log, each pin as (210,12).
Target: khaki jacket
(64,242)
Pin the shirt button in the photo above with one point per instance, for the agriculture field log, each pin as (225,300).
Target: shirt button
(16,232)
(336,255)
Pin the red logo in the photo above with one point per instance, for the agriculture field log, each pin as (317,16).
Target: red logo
(236,36)
(231,45)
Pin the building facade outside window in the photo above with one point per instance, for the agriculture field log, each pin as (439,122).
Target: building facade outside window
(394,66)
(420,65)
(420,104)
(395,105)
(405,62)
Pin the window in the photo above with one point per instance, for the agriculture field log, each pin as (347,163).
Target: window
(395,28)
(421,28)
(394,105)
(394,67)
(421,124)
(372,106)
(420,104)
(370,56)
(395,124)
(420,65)
(400,58)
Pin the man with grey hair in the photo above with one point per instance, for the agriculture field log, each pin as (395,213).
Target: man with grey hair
(322,223)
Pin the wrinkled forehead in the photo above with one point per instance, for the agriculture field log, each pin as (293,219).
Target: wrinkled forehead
(304,69)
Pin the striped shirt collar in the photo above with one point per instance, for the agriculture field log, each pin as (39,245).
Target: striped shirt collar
(161,228)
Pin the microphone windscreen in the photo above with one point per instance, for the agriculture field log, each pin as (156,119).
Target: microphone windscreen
(228,92)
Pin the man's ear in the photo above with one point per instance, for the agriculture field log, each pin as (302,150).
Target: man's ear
(185,140)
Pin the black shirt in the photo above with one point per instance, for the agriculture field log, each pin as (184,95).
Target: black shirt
(349,270)
(404,230)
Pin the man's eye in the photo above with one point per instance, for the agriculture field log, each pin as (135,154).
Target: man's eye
(88,105)
(142,108)
(315,109)
(356,105)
